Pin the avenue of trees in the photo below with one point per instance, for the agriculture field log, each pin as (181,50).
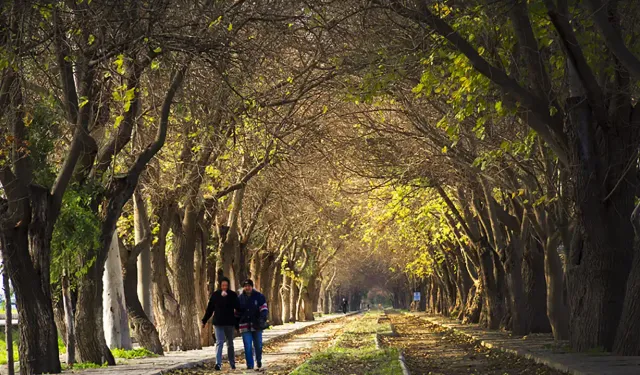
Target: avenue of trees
(484,153)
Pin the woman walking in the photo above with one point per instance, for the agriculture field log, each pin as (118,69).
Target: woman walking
(222,305)
(253,320)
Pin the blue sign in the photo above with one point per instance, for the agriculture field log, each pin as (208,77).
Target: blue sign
(416,296)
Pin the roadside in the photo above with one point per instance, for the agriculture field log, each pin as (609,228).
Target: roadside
(189,359)
(430,349)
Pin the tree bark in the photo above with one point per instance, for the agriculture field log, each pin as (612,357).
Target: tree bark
(184,256)
(70,340)
(274,294)
(294,291)
(116,325)
(8,327)
(286,298)
(144,331)
(39,339)
(535,288)
(141,227)
(166,307)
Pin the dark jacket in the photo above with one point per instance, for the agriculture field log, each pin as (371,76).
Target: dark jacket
(252,308)
(222,308)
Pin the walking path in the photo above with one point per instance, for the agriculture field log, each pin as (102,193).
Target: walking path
(282,357)
(543,349)
(183,360)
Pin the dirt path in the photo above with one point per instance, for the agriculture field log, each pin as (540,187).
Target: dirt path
(284,355)
(431,350)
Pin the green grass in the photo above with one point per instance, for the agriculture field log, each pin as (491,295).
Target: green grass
(132,354)
(354,352)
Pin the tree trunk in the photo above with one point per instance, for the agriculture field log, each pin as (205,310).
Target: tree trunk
(166,307)
(557,310)
(518,302)
(8,327)
(493,295)
(627,340)
(200,282)
(294,291)
(535,288)
(38,335)
(286,298)
(143,330)
(602,255)
(116,327)
(474,304)
(274,295)
(70,340)
(144,259)
(184,281)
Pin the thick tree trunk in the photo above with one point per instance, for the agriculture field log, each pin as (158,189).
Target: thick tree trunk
(602,255)
(184,280)
(294,291)
(627,338)
(274,295)
(116,325)
(557,310)
(144,331)
(144,287)
(38,335)
(286,298)
(90,337)
(493,297)
(517,297)
(535,288)
(474,304)
(166,307)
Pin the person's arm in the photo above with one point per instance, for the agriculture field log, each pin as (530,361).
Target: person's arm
(264,311)
(210,307)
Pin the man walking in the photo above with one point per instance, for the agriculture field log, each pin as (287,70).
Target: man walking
(222,304)
(344,305)
(253,320)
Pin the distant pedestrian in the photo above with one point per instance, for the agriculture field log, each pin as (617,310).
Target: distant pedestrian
(222,305)
(253,320)
(344,305)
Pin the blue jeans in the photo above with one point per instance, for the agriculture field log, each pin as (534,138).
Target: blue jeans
(225,333)
(254,339)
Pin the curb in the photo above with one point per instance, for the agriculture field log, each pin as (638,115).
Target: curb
(519,353)
(239,352)
(405,370)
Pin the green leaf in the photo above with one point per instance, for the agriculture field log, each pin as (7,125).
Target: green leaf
(83,101)
(118,121)
(230,27)
(91,39)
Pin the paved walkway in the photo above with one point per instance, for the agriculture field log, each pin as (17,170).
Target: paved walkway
(183,360)
(543,349)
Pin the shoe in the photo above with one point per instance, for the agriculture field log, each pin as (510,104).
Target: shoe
(218,367)
(233,367)
(259,365)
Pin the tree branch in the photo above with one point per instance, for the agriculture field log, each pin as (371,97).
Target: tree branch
(613,39)
(560,19)
(550,128)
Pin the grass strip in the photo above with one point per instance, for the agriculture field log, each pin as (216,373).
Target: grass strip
(354,352)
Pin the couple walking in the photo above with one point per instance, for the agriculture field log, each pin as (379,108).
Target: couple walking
(246,312)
